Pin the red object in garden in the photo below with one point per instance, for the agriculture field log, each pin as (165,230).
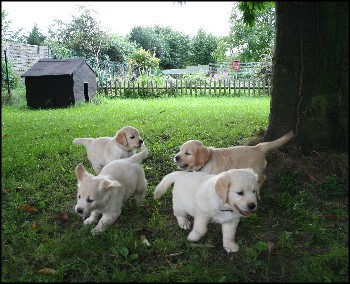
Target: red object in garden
(236,64)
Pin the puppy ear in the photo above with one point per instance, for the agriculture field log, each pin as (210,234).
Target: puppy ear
(222,186)
(108,184)
(201,155)
(81,172)
(121,138)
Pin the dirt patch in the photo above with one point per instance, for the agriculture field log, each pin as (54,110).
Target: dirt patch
(313,169)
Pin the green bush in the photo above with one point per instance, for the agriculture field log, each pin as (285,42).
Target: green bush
(13,78)
(17,97)
(143,60)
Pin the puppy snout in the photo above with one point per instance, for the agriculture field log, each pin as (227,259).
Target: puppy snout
(251,206)
(80,210)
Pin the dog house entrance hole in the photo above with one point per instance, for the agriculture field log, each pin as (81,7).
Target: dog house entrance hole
(86,91)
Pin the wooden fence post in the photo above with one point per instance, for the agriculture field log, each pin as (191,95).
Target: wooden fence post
(195,88)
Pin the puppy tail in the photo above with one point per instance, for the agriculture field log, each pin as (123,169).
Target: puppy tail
(165,183)
(267,146)
(83,141)
(141,156)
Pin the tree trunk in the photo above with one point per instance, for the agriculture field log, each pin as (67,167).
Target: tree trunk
(310,75)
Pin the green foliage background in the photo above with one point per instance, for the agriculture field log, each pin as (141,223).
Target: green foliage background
(174,49)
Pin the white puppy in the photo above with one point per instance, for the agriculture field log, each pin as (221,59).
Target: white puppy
(222,198)
(103,150)
(193,155)
(105,193)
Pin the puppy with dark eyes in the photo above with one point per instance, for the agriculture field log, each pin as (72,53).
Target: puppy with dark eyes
(103,150)
(222,198)
(106,193)
(193,155)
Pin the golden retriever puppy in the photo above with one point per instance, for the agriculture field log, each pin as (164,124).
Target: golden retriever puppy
(103,150)
(193,155)
(106,193)
(222,198)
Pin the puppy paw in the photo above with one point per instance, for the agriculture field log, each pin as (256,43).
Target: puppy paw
(96,231)
(183,223)
(157,195)
(194,236)
(186,226)
(140,199)
(231,247)
(89,220)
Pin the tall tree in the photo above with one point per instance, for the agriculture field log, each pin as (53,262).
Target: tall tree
(7,33)
(252,42)
(147,38)
(170,46)
(5,25)
(310,74)
(203,47)
(35,37)
(83,35)
(119,48)
(176,48)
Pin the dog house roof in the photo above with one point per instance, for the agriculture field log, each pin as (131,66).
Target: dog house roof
(49,67)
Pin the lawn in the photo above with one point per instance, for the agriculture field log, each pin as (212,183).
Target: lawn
(298,233)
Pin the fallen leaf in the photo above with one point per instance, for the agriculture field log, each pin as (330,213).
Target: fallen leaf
(48,271)
(35,225)
(194,245)
(330,216)
(19,188)
(170,258)
(174,254)
(270,246)
(27,208)
(63,215)
(312,178)
(144,240)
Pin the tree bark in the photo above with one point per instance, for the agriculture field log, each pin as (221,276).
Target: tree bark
(310,75)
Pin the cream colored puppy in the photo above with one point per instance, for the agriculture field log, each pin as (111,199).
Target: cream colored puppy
(222,198)
(193,155)
(103,150)
(106,193)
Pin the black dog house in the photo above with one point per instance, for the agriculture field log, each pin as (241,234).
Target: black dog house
(59,83)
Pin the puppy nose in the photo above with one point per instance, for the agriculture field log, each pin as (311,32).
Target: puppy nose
(141,141)
(251,206)
(79,210)
(177,158)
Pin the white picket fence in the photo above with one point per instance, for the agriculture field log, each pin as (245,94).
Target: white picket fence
(231,87)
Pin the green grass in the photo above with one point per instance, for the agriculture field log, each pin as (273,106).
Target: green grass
(286,239)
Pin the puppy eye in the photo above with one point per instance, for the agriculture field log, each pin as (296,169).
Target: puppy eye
(240,193)
(187,154)
(79,196)
(254,191)
(89,200)
(132,137)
